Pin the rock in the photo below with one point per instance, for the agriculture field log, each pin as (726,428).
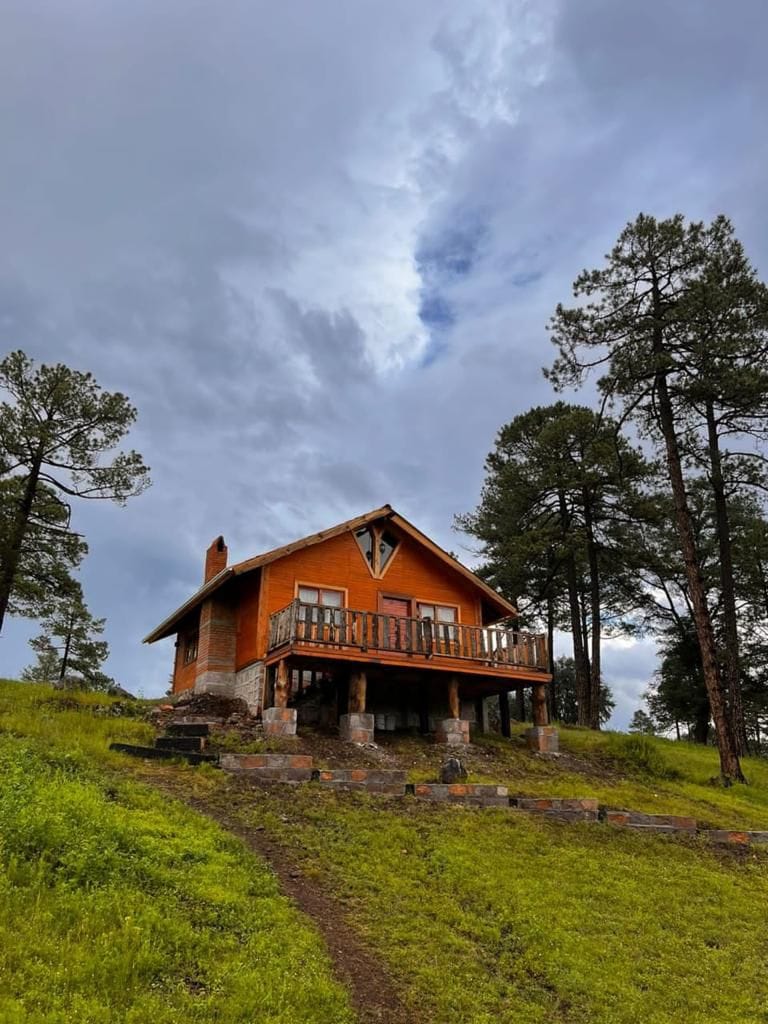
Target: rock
(452,770)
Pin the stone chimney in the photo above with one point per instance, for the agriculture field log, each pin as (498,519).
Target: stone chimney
(215,559)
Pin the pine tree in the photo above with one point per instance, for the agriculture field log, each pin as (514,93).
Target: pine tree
(553,518)
(640,315)
(58,435)
(642,722)
(74,634)
(46,668)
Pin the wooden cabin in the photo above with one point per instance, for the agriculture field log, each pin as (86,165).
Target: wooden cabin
(366,626)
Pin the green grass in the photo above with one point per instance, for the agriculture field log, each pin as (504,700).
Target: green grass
(659,776)
(121,905)
(638,772)
(486,916)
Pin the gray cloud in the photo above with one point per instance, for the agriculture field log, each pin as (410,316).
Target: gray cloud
(317,244)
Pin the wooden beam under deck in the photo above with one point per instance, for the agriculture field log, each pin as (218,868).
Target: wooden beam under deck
(501,674)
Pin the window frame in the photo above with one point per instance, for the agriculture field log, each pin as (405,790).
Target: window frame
(374,567)
(319,587)
(191,643)
(437,604)
(453,626)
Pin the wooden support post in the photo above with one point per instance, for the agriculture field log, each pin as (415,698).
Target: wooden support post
(454,706)
(357,692)
(281,685)
(539,700)
(506,725)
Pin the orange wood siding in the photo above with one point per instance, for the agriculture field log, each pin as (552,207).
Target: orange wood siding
(337,563)
(183,675)
(247,619)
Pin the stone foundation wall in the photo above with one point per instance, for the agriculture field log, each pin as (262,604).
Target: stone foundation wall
(220,683)
(248,685)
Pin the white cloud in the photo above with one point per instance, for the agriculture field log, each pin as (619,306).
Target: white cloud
(235,214)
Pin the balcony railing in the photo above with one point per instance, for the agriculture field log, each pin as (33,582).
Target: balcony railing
(344,628)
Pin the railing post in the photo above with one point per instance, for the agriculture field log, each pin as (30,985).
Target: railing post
(427,627)
(293,620)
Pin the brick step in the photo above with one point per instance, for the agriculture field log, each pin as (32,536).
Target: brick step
(180,742)
(734,836)
(555,803)
(270,767)
(372,780)
(188,728)
(562,808)
(671,829)
(161,753)
(473,794)
(625,819)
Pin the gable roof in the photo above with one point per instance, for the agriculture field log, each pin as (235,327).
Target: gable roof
(168,626)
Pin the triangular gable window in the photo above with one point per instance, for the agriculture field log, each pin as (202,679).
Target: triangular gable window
(377,547)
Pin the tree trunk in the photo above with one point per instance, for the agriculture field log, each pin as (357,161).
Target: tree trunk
(19,527)
(701,726)
(67,645)
(730,768)
(730,616)
(585,642)
(579,653)
(551,689)
(594,600)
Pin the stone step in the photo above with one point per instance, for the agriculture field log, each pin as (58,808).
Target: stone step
(372,780)
(627,818)
(180,742)
(474,794)
(160,753)
(188,728)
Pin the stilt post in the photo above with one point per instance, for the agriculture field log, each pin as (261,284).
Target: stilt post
(539,700)
(358,685)
(454,707)
(281,684)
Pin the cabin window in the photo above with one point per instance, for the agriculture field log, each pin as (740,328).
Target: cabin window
(322,596)
(377,547)
(440,614)
(326,604)
(190,648)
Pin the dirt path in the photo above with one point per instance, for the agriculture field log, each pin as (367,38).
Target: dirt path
(371,988)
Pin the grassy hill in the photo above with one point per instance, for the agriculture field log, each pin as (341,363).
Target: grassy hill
(122,904)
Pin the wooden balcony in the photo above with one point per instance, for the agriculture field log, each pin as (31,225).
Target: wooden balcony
(346,634)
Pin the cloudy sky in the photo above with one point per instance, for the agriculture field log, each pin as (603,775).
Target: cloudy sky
(317,244)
